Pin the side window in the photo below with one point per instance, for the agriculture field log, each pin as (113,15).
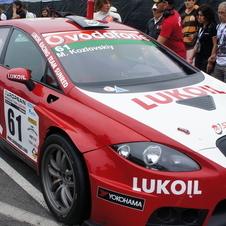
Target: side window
(22,52)
(3,35)
(49,79)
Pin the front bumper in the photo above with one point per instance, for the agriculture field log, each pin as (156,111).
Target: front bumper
(126,194)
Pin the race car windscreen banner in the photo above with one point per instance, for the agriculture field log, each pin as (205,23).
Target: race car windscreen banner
(135,13)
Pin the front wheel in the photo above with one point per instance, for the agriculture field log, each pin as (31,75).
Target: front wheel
(64,180)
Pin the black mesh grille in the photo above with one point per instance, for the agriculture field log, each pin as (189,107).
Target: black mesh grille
(203,102)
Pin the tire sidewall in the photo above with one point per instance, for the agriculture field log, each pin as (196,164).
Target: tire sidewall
(80,209)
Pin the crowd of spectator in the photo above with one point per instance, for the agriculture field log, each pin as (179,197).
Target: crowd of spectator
(20,11)
(204,42)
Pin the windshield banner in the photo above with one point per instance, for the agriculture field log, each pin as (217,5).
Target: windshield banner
(57,39)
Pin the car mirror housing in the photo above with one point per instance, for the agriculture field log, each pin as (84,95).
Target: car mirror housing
(21,75)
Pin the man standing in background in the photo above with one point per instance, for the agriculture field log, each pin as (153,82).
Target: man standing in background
(18,13)
(154,24)
(171,31)
(190,26)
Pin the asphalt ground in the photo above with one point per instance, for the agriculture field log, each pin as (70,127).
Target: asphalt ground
(21,200)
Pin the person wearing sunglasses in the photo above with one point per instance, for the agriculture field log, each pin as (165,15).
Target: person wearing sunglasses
(171,30)
(190,26)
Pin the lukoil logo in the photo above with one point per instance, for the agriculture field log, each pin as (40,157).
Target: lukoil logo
(177,187)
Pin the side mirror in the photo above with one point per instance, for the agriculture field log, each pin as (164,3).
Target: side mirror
(21,75)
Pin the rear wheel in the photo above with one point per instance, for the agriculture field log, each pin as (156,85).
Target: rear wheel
(64,180)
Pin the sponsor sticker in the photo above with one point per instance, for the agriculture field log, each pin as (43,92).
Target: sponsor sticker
(157,99)
(167,187)
(219,127)
(22,124)
(121,199)
(109,89)
(51,60)
(120,90)
(62,38)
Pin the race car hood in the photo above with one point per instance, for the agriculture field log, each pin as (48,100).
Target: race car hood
(192,115)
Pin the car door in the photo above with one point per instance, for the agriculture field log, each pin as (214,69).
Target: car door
(18,115)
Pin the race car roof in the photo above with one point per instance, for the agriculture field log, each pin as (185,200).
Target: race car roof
(60,24)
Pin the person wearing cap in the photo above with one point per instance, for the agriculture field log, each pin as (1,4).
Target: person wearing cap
(171,30)
(190,26)
(154,24)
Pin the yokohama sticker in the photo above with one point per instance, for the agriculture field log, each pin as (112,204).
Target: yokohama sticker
(121,199)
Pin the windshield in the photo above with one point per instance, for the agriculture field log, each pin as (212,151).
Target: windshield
(103,58)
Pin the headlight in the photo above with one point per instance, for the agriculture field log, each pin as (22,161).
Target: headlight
(156,156)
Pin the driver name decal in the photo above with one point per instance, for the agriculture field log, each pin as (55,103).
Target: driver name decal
(89,49)
(149,101)
(167,187)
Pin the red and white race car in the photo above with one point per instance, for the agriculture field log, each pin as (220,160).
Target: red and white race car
(122,131)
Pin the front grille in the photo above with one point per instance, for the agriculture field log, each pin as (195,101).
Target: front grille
(176,216)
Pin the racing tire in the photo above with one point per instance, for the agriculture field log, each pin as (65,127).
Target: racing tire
(64,180)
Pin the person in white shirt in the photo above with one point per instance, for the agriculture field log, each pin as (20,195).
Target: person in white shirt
(28,14)
(4,15)
(113,9)
(103,11)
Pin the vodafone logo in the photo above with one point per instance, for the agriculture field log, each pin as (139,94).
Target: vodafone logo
(76,36)
(55,40)
(92,22)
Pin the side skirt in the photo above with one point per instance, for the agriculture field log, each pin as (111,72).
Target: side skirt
(5,146)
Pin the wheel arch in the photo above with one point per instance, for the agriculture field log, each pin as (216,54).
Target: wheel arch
(56,130)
